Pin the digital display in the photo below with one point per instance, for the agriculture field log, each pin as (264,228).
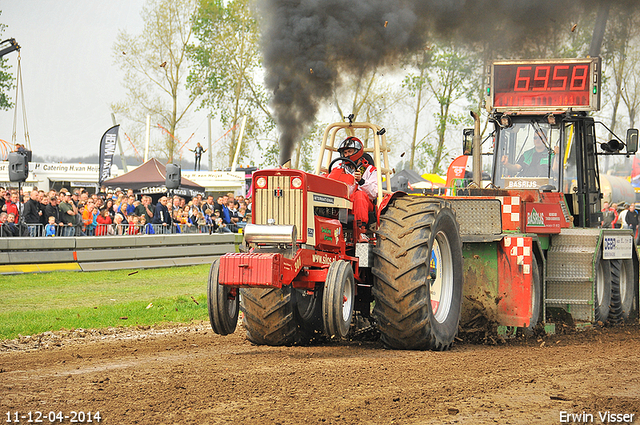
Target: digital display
(558,84)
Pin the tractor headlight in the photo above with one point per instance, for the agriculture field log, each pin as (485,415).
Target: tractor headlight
(261,182)
(296,183)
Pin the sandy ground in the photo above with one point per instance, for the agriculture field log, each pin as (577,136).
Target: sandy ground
(188,375)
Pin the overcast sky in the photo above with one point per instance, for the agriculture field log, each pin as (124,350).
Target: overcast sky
(68,73)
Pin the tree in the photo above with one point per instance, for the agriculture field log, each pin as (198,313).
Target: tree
(227,64)
(6,79)
(415,85)
(448,79)
(156,65)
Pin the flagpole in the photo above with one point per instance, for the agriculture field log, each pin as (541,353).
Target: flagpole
(124,160)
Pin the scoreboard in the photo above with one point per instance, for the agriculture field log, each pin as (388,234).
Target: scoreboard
(544,85)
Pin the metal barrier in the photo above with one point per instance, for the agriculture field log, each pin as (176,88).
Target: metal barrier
(39,230)
(32,255)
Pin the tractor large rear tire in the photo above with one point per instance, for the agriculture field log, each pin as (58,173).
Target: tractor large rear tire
(602,298)
(269,315)
(418,274)
(622,290)
(536,298)
(223,309)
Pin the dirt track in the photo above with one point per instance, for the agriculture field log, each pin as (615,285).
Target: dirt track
(191,376)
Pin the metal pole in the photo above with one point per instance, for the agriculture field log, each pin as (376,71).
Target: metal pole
(477,151)
(124,160)
(210,158)
(146,143)
(235,157)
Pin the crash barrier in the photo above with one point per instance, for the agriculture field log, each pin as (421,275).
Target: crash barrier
(34,255)
(39,230)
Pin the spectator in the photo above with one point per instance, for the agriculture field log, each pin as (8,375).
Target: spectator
(632,221)
(161,216)
(53,210)
(616,221)
(32,213)
(75,197)
(134,225)
(12,228)
(4,227)
(50,228)
(68,215)
(109,207)
(175,205)
(209,203)
(3,192)
(218,205)
(43,204)
(220,225)
(130,208)
(609,216)
(232,223)
(621,215)
(87,219)
(146,228)
(104,222)
(119,226)
(145,209)
(12,205)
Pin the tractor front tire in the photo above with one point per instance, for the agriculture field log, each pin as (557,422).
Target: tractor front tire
(338,299)
(418,274)
(223,308)
(269,315)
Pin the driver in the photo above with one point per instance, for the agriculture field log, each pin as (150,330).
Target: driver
(535,161)
(364,196)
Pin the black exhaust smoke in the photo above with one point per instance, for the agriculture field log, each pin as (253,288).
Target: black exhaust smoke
(308,44)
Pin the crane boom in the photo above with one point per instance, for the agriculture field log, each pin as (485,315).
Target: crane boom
(8,46)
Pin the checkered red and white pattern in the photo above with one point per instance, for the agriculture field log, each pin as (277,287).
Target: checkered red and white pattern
(510,212)
(519,248)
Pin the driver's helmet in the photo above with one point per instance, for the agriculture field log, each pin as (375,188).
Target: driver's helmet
(351,143)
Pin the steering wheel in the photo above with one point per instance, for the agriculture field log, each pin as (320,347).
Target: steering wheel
(343,159)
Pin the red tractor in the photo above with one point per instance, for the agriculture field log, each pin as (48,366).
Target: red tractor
(305,275)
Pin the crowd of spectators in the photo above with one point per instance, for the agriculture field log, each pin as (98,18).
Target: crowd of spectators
(621,216)
(78,213)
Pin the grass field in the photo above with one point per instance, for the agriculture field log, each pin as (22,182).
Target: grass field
(35,303)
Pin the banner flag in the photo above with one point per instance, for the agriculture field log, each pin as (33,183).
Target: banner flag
(107,149)
(456,169)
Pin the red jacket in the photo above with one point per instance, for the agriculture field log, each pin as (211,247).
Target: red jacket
(101,230)
(12,208)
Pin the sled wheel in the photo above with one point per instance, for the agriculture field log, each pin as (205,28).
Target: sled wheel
(269,315)
(222,304)
(602,299)
(338,299)
(418,274)
(622,290)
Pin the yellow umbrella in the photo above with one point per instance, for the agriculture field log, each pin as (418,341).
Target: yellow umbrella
(434,178)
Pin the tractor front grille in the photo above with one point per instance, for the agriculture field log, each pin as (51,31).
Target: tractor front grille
(278,201)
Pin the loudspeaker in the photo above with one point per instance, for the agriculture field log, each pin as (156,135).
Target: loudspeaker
(173,176)
(18,167)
